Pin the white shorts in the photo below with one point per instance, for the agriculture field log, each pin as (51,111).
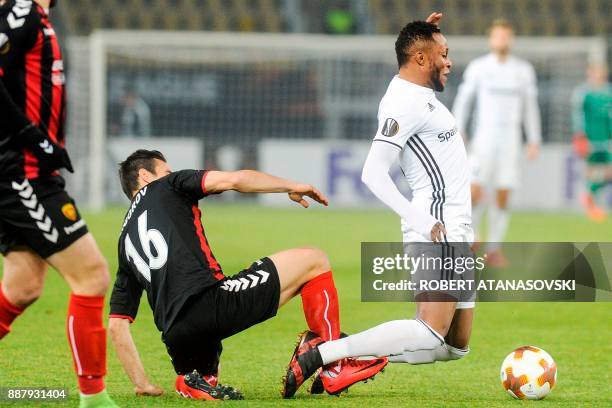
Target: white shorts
(495,164)
(455,233)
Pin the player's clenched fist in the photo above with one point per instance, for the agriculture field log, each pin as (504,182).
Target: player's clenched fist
(299,191)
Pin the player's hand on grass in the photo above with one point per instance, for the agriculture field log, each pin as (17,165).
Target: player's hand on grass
(533,150)
(306,190)
(438,232)
(50,155)
(434,18)
(148,390)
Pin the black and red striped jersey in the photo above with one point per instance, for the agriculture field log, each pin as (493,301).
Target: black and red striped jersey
(163,249)
(32,70)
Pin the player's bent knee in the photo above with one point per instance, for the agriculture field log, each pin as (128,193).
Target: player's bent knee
(318,260)
(450,353)
(417,342)
(442,352)
(457,353)
(30,296)
(24,292)
(25,295)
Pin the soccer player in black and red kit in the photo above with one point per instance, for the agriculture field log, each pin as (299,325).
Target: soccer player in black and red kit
(163,250)
(39,222)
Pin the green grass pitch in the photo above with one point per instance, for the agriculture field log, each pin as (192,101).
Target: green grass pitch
(36,353)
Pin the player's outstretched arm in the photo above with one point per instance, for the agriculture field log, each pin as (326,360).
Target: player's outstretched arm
(121,336)
(252,181)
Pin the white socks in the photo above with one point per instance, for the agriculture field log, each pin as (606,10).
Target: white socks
(412,340)
(498,224)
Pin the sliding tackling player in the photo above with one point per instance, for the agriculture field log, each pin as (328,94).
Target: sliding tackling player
(164,251)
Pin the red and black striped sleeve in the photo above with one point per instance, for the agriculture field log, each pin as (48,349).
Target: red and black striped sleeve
(18,34)
(189,182)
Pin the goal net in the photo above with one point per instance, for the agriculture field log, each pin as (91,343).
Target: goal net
(214,97)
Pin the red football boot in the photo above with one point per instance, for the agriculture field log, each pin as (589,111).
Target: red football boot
(193,385)
(211,379)
(317,384)
(338,376)
(305,361)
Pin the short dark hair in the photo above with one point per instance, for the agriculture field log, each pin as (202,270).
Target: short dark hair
(128,169)
(410,35)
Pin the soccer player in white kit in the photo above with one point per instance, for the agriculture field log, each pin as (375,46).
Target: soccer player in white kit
(504,89)
(419,130)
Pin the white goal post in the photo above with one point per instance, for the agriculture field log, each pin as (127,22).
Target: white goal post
(236,89)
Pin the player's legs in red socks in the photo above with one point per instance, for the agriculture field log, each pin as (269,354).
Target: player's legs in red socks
(8,313)
(22,284)
(86,272)
(307,271)
(87,339)
(320,303)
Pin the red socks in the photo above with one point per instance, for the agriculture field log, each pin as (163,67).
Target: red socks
(320,302)
(8,313)
(86,336)
(87,339)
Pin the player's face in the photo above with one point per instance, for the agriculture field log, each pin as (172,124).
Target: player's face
(500,40)
(160,169)
(440,64)
(597,75)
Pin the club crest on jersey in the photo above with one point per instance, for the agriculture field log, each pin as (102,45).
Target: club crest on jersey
(69,212)
(390,128)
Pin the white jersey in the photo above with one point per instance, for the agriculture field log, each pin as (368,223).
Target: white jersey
(506,97)
(432,156)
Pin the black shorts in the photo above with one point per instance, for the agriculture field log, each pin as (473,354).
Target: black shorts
(233,305)
(38,214)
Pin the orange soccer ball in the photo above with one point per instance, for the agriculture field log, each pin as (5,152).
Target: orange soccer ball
(528,373)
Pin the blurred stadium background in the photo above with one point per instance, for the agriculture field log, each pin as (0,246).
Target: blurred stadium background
(239,83)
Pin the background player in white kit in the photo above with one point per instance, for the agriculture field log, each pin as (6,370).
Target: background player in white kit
(419,130)
(504,89)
